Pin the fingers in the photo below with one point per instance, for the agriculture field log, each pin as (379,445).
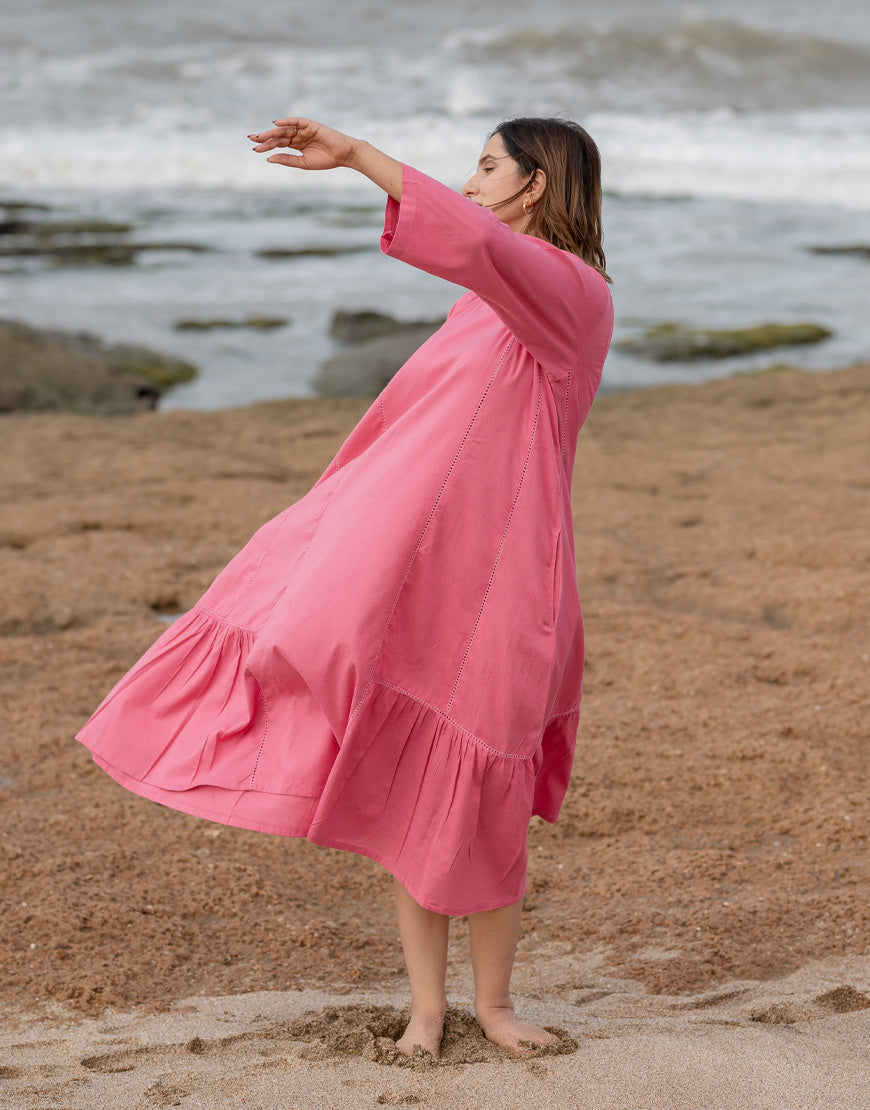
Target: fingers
(309,141)
(282,136)
(291,128)
(269,144)
(295,160)
(286,128)
(286,132)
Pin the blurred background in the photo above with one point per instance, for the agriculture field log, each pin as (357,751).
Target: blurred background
(735,139)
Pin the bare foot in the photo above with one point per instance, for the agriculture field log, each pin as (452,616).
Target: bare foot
(501,1025)
(425,1030)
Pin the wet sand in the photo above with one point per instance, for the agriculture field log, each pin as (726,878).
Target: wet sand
(706,885)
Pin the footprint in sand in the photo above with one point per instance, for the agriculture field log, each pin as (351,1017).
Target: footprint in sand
(113,1062)
(167,1091)
(840,1000)
(371,1032)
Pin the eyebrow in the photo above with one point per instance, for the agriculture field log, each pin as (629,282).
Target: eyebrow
(491,158)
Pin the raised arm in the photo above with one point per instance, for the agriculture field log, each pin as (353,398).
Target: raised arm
(320,147)
(557,307)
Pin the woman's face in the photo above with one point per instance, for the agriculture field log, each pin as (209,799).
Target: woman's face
(498,177)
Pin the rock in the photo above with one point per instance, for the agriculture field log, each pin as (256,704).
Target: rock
(357,327)
(856,248)
(51,229)
(42,369)
(277,254)
(263,323)
(364,370)
(75,254)
(76,242)
(157,369)
(670,342)
(23,206)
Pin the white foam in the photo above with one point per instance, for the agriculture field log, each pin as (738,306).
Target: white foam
(814,157)
(810,157)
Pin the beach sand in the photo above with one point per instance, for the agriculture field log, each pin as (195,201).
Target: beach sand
(698,920)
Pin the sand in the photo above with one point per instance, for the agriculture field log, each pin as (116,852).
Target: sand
(704,892)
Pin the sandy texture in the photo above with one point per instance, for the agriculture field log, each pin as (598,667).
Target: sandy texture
(715,834)
(311,1050)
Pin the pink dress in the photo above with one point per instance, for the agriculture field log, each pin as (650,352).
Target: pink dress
(392,665)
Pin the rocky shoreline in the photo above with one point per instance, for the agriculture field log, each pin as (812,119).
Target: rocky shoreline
(43,369)
(47,369)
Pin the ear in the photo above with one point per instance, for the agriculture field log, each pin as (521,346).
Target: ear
(537,186)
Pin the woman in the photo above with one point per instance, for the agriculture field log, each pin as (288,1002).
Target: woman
(392,666)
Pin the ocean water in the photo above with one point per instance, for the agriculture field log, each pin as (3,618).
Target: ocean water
(735,136)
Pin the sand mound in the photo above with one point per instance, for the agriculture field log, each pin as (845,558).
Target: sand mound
(371,1032)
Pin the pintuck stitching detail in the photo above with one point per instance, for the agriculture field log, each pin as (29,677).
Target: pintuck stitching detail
(500,546)
(271,544)
(256,569)
(200,608)
(383,411)
(405,576)
(565,420)
(564,713)
(454,724)
(265,725)
(248,670)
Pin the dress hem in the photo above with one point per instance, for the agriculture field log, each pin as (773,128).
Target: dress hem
(176,800)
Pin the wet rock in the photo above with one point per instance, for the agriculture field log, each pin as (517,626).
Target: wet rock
(670,342)
(75,242)
(358,327)
(856,248)
(261,323)
(75,254)
(51,229)
(92,253)
(42,369)
(365,369)
(157,369)
(12,206)
(278,254)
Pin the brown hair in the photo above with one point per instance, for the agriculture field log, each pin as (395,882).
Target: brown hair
(568,215)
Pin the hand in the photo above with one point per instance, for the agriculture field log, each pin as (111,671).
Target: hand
(320,147)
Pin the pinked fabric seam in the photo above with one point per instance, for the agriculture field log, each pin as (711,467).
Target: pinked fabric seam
(500,546)
(378,654)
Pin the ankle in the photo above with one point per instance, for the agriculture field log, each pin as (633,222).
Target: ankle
(429,1007)
(493,1005)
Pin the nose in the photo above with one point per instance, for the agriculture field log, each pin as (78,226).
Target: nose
(470,186)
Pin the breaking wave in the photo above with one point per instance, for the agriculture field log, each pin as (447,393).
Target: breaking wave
(693,64)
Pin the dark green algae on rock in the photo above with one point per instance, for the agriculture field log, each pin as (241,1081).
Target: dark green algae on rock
(859,250)
(45,370)
(672,342)
(220,323)
(56,240)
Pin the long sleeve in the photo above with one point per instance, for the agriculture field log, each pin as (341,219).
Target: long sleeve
(557,306)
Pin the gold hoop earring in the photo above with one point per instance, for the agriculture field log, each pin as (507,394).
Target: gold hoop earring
(529,209)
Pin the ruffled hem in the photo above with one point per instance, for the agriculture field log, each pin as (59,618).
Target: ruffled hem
(405,786)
